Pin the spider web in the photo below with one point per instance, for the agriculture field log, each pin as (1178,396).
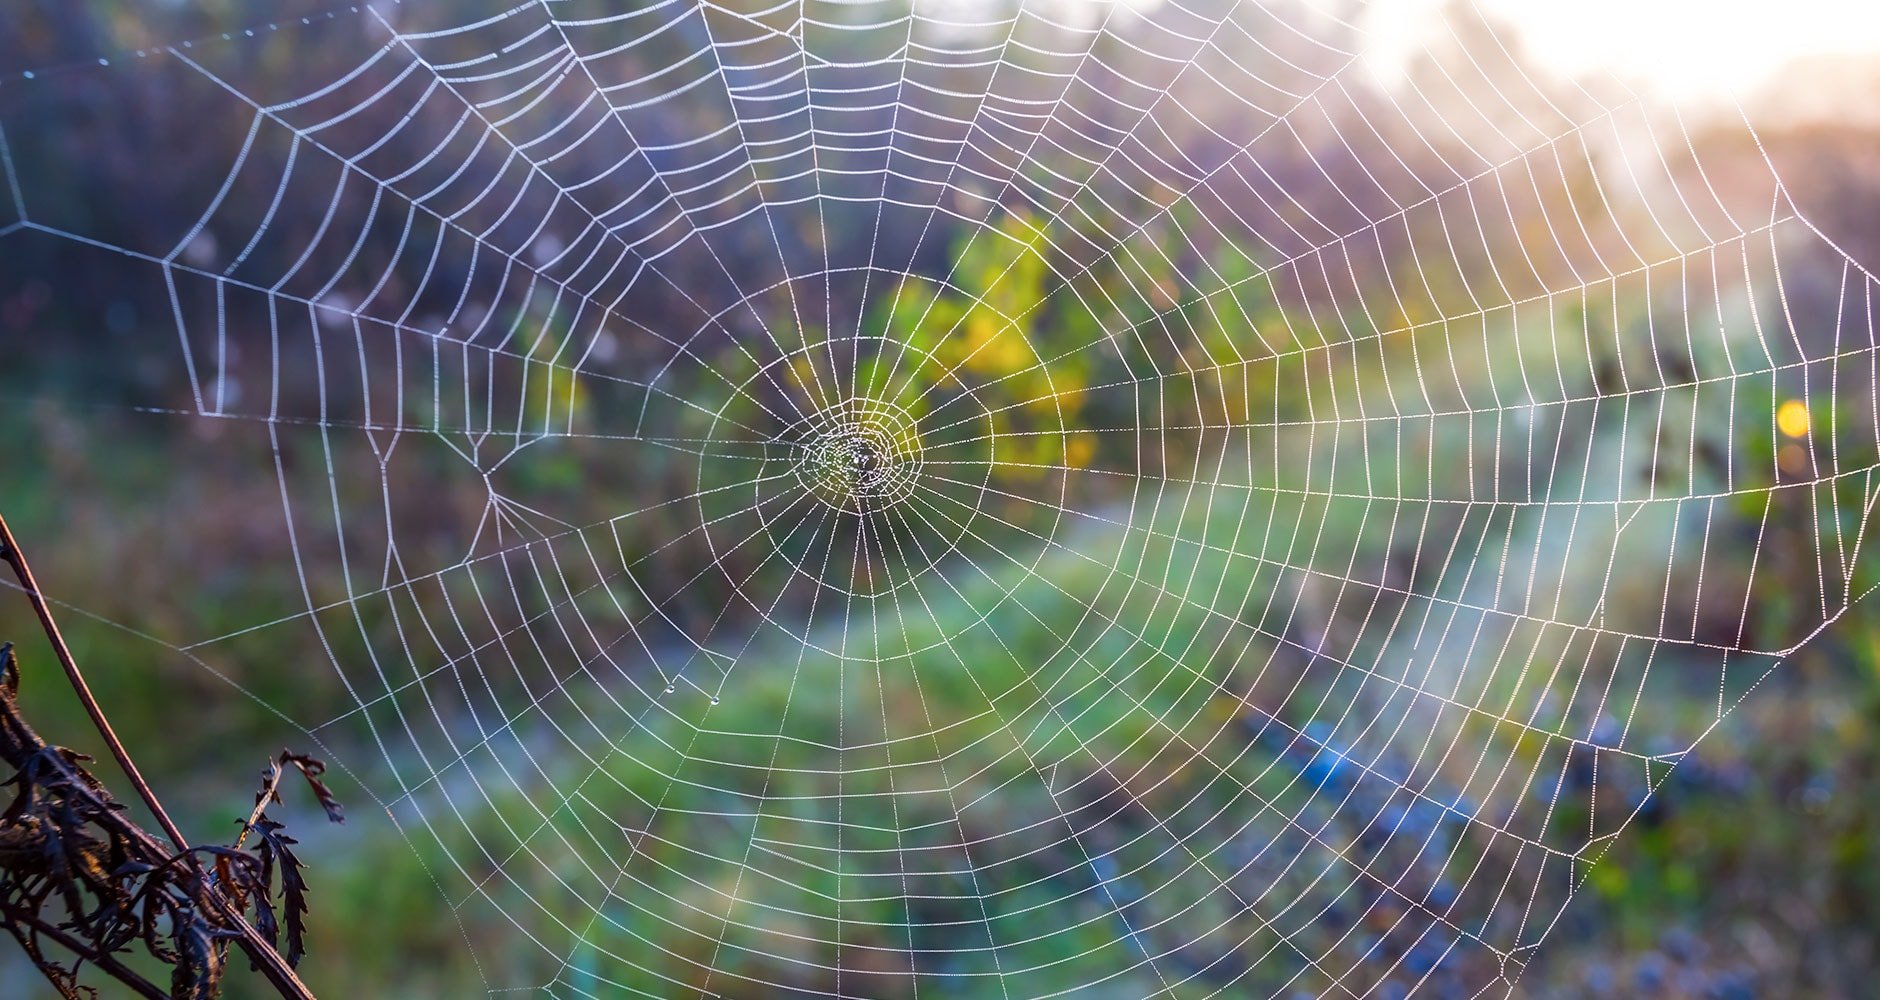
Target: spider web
(995,500)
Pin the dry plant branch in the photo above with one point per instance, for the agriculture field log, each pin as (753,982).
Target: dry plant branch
(76,872)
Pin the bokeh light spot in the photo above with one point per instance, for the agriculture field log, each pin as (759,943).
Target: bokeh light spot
(1792,418)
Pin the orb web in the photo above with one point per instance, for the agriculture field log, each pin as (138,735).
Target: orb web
(997,500)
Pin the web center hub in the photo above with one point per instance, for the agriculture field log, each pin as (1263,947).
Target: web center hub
(859,456)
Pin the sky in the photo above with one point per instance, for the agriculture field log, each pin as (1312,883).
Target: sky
(1691,52)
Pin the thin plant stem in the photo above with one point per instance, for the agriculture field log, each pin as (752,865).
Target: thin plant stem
(10,551)
(265,957)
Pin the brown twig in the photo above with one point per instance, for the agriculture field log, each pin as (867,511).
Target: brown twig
(270,792)
(263,955)
(118,970)
(10,551)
